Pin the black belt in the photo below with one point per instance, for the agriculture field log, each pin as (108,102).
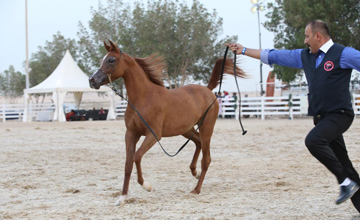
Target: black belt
(337,111)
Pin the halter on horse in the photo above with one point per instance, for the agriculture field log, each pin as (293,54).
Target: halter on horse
(168,112)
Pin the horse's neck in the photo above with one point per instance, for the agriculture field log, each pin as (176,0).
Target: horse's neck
(136,81)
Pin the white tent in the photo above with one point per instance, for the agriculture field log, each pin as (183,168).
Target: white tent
(67,77)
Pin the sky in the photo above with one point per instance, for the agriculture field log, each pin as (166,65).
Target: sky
(47,17)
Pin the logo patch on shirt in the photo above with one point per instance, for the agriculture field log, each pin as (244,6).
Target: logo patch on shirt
(328,66)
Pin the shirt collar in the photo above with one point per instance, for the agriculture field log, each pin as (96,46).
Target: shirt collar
(325,47)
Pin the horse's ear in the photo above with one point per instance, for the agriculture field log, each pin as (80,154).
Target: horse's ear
(107,47)
(113,46)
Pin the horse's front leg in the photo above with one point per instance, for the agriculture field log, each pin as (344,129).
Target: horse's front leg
(149,141)
(130,140)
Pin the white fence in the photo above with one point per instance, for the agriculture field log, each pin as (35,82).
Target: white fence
(11,112)
(263,106)
(260,107)
(120,107)
(356,103)
(37,112)
(41,112)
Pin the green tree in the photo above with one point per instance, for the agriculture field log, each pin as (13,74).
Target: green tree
(188,37)
(12,84)
(288,19)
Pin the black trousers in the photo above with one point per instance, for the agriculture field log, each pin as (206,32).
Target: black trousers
(326,143)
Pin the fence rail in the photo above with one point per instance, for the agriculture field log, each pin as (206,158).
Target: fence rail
(356,103)
(11,112)
(41,111)
(261,107)
(120,108)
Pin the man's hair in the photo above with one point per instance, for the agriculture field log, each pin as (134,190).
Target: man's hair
(319,26)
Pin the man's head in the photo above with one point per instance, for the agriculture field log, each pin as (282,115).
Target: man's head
(316,35)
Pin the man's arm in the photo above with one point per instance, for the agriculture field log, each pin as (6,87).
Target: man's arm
(350,59)
(289,58)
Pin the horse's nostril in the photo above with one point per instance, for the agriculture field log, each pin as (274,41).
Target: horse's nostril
(92,79)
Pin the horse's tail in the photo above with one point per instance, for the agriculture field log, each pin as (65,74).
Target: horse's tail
(228,69)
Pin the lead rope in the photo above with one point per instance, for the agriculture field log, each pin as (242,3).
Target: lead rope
(237,85)
(110,84)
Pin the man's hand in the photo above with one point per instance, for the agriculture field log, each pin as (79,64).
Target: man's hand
(235,47)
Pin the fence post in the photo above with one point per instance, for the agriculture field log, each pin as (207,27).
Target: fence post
(236,112)
(262,108)
(4,113)
(290,107)
(31,106)
(222,108)
(353,103)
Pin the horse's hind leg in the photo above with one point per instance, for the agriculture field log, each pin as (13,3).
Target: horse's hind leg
(196,139)
(205,162)
(206,131)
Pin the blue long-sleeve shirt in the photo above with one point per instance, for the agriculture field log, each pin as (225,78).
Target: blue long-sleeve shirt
(350,58)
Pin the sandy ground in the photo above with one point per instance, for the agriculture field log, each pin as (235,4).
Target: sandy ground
(74,170)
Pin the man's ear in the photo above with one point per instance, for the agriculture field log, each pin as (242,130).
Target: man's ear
(318,35)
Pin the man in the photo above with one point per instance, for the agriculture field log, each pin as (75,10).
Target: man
(328,68)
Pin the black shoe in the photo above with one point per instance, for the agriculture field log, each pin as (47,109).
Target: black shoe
(346,192)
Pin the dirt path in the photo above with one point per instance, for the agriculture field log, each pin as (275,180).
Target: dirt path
(74,170)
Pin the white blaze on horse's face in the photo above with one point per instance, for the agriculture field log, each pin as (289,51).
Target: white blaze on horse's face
(102,61)
(99,77)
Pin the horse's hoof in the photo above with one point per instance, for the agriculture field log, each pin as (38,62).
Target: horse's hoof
(121,201)
(197,175)
(195,191)
(147,186)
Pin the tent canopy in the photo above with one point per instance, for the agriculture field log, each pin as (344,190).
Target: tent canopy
(67,77)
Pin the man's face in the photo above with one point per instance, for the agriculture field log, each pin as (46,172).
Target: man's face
(311,40)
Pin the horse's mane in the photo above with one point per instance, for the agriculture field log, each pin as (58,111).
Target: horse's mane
(153,66)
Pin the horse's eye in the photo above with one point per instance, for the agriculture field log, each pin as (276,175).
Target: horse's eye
(111,60)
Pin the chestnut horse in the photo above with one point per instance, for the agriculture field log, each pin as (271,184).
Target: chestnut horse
(167,112)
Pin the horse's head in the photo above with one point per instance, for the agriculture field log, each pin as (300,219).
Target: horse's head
(109,67)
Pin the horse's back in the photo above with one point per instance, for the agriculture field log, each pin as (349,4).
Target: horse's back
(193,98)
(194,91)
